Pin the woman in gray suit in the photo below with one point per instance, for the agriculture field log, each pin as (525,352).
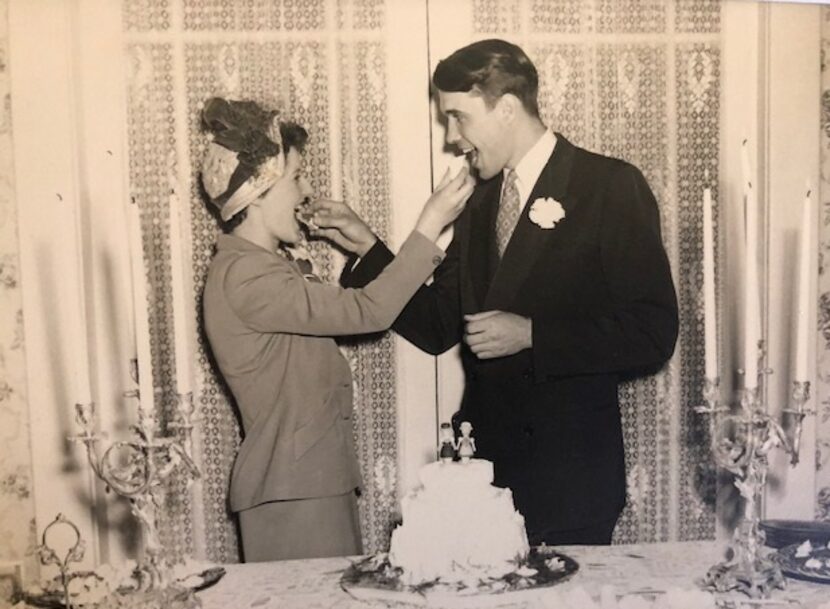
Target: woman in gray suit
(271,325)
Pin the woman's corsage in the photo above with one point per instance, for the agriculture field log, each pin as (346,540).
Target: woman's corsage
(546,213)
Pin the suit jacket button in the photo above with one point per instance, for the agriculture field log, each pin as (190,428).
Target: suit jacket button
(528,430)
(436,260)
(527,374)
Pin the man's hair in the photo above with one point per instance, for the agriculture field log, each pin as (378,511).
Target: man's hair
(293,136)
(491,67)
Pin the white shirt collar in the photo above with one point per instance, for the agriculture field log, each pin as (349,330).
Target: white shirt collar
(530,167)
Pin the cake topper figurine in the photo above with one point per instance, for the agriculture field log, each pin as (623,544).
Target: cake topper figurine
(446,451)
(466,445)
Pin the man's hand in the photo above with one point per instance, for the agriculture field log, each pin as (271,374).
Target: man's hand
(338,223)
(492,334)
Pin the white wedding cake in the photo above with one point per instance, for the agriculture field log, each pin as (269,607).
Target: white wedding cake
(458,527)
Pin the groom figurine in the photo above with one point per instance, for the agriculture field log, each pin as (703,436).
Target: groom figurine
(558,286)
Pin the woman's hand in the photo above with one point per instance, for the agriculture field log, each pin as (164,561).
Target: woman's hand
(446,203)
(339,223)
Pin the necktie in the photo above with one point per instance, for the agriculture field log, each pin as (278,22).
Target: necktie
(508,214)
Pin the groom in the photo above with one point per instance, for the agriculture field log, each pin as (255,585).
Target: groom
(558,286)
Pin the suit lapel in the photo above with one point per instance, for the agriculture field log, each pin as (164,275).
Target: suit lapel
(529,240)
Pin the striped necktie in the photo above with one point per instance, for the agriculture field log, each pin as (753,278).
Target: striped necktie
(508,214)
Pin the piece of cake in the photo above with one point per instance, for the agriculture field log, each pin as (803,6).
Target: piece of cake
(458,527)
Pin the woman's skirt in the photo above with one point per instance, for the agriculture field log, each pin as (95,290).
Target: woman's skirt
(301,528)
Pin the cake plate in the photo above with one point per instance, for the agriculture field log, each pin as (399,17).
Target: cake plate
(375,579)
(813,566)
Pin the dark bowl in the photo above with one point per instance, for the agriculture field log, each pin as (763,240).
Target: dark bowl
(780,533)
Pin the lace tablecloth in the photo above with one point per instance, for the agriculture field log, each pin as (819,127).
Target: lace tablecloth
(314,584)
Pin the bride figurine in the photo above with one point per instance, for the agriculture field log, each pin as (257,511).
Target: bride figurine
(466,445)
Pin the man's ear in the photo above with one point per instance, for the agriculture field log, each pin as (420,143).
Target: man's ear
(509,107)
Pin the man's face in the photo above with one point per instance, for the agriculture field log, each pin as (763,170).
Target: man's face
(280,203)
(478,131)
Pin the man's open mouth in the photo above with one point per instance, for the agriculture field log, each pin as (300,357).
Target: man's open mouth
(471,154)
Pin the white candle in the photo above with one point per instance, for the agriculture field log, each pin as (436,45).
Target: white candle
(179,301)
(77,334)
(804,317)
(752,304)
(141,322)
(710,319)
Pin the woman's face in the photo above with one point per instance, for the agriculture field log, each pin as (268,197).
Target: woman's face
(281,201)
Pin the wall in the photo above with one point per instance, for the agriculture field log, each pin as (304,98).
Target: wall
(17,522)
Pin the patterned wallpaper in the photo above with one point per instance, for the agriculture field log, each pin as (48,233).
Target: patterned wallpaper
(16,501)
(822,407)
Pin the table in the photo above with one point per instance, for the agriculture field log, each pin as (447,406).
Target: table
(314,584)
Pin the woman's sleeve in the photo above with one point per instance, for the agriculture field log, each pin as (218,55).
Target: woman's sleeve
(269,296)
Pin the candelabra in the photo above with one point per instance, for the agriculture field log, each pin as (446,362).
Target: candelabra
(741,441)
(138,469)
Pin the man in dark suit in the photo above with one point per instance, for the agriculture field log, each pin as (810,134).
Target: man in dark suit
(557,283)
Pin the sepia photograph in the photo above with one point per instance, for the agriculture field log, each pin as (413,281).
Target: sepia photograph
(457,304)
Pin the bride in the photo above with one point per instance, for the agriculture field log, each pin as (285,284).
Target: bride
(270,323)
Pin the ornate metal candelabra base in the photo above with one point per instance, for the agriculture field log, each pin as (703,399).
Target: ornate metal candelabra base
(747,570)
(756,582)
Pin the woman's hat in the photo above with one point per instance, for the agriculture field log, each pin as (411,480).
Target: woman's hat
(244,158)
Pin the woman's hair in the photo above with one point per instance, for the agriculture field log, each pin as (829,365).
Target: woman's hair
(491,67)
(294,136)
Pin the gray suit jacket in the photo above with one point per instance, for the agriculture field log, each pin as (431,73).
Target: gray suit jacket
(271,334)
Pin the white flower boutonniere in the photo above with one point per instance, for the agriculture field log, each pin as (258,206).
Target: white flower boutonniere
(546,212)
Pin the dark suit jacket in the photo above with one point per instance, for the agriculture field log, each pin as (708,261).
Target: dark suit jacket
(599,292)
